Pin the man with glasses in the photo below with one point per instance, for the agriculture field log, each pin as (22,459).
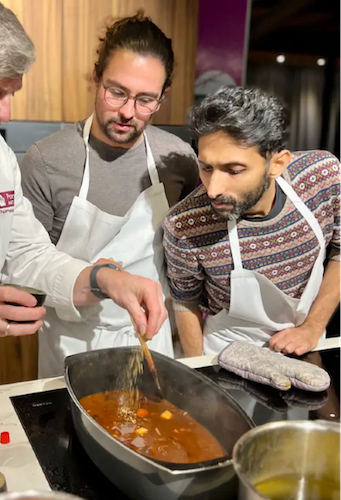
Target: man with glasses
(27,256)
(102,187)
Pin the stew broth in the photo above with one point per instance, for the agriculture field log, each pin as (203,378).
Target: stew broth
(158,430)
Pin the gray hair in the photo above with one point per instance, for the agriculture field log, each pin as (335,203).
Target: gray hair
(16,48)
(250,116)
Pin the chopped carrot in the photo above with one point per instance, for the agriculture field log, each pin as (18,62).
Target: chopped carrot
(167,415)
(141,431)
(142,412)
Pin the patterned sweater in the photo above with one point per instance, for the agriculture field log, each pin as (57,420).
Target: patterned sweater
(283,248)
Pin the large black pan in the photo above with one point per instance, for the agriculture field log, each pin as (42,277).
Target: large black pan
(140,477)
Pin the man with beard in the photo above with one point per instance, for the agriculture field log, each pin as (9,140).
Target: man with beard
(245,251)
(27,256)
(102,187)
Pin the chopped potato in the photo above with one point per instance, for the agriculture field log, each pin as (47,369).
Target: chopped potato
(167,415)
(141,431)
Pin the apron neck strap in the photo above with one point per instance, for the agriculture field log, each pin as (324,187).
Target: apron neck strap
(303,209)
(152,170)
(300,206)
(84,189)
(234,244)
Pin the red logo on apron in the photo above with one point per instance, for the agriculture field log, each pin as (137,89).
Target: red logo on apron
(6,201)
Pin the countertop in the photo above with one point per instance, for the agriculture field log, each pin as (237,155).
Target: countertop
(22,470)
(18,462)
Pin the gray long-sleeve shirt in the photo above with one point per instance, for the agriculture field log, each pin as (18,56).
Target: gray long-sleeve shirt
(52,171)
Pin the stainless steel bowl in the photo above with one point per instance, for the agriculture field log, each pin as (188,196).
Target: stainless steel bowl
(37,495)
(289,460)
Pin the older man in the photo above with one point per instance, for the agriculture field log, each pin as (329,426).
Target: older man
(26,254)
(246,250)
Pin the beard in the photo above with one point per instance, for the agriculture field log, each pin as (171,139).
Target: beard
(120,136)
(241,207)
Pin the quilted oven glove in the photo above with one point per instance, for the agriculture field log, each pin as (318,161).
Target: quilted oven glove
(260,364)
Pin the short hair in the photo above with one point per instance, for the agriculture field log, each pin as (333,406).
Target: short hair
(16,48)
(250,116)
(140,35)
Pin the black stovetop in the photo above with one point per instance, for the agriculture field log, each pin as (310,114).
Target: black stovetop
(46,419)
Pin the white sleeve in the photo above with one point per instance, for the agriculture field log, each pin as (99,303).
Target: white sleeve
(32,259)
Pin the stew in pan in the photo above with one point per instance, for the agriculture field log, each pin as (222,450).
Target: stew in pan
(158,430)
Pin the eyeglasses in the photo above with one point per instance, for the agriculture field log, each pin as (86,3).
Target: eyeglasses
(117,98)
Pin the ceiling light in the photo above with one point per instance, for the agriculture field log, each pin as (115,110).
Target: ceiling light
(321,61)
(280,59)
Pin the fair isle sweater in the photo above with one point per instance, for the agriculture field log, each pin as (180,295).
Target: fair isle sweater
(283,248)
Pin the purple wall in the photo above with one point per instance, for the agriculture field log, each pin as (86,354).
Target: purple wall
(223,25)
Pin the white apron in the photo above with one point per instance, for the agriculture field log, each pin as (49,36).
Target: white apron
(135,242)
(258,308)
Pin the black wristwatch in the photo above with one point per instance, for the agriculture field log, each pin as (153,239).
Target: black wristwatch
(93,280)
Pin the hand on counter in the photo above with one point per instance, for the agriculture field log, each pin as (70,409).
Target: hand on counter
(28,312)
(298,340)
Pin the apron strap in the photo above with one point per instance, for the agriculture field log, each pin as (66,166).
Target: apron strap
(301,207)
(84,189)
(234,244)
(153,173)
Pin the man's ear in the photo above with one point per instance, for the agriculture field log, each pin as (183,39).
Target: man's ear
(95,78)
(162,98)
(279,162)
(164,94)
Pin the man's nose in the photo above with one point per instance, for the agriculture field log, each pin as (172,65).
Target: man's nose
(216,186)
(128,110)
(5,109)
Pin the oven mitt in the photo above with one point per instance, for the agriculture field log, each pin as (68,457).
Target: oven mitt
(261,364)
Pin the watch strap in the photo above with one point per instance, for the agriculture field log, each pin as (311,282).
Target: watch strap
(93,280)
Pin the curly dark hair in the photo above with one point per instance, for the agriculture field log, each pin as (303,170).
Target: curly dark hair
(140,35)
(250,116)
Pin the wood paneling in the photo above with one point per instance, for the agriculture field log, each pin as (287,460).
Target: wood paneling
(18,359)
(83,21)
(41,96)
(66,32)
